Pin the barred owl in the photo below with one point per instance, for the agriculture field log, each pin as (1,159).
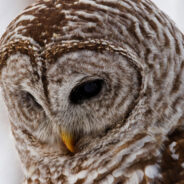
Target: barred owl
(95,92)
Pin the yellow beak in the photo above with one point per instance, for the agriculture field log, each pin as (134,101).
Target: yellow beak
(68,140)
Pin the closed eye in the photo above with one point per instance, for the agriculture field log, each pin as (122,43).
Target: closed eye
(27,100)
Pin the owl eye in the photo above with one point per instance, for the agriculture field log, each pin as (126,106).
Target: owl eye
(28,100)
(86,91)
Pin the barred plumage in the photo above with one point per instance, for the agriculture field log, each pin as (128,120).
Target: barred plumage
(94,90)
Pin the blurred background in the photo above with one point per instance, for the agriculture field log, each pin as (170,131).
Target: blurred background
(10,171)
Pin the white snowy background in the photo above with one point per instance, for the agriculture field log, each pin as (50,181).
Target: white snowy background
(10,172)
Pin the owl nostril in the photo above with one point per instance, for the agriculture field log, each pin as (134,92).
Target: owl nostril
(86,91)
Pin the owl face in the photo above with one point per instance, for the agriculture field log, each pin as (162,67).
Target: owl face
(101,79)
(75,96)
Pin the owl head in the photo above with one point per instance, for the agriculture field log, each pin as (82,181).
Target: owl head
(82,75)
(62,83)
